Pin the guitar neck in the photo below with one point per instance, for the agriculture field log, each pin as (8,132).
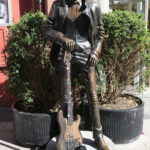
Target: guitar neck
(67,59)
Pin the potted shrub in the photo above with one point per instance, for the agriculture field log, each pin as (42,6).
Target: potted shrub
(125,51)
(31,78)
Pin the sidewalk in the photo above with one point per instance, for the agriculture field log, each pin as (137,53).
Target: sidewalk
(7,141)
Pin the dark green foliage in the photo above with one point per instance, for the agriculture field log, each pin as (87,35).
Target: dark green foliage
(27,57)
(125,50)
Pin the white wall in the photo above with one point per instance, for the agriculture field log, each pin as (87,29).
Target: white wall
(104,4)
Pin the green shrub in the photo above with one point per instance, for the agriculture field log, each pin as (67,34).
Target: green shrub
(27,58)
(125,50)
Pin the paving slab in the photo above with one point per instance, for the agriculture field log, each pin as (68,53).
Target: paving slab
(146,128)
(6,132)
(9,146)
(143,143)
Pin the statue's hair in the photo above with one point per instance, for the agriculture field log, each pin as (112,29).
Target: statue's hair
(83,5)
(63,2)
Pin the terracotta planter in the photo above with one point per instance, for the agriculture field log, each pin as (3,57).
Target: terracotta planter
(31,129)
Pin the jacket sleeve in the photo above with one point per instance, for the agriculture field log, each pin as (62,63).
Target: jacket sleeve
(53,34)
(99,37)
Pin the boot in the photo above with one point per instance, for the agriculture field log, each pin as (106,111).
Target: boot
(99,140)
(97,127)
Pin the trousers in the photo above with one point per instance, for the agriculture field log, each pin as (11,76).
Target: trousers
(89,78)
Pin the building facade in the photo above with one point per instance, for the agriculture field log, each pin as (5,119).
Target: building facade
(139,6)
(11,11)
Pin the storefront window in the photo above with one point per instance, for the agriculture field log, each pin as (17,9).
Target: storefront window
(130,5)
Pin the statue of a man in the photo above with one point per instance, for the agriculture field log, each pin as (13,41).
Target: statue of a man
(78,26)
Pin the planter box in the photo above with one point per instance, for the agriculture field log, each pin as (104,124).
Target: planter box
(31,129)
(121,126)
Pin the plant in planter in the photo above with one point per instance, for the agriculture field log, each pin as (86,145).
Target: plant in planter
(30,78)
(125,51)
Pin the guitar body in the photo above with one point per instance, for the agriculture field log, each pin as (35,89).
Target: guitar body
(70,136)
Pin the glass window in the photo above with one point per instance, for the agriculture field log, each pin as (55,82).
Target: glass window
(131,5)
(5,12)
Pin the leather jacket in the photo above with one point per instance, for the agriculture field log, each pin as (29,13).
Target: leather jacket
(57,17)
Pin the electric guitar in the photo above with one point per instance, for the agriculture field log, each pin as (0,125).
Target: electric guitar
(70,136)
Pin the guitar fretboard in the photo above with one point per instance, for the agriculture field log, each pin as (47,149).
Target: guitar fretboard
(70,103)
(70,113)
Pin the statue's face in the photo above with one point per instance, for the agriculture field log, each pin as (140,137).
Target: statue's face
(73,1)
(80,1)
(70,0)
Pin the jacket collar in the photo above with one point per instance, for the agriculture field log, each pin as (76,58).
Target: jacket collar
(62,13)
(63,10)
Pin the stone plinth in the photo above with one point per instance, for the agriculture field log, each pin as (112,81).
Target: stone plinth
(88,142)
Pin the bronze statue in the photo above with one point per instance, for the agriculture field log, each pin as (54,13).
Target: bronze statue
(76,25)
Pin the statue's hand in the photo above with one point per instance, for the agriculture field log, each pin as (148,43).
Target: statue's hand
(92,60)
(68,44)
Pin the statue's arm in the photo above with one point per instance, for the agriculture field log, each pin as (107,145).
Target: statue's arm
(100,34)
(98,39)
(53,34)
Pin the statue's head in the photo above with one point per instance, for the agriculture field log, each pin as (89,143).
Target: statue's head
(70,1)
(81,2)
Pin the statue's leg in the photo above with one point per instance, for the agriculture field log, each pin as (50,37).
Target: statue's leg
(63,84)
(90,83)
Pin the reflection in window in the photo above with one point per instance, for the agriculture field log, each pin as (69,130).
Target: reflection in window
(130,5)
(3,13)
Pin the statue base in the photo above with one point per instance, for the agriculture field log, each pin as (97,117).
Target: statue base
(88,142)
